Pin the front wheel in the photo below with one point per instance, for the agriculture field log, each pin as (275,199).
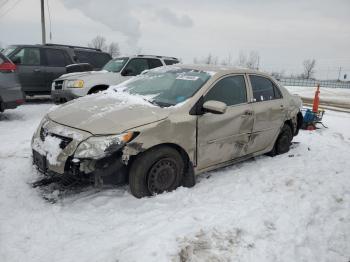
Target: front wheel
(156,171)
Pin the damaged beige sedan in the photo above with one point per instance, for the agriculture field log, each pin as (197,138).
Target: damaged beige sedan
(159,130)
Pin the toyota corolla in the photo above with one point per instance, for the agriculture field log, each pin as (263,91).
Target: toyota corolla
(160,129)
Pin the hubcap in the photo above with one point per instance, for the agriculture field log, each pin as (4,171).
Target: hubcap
(162,176)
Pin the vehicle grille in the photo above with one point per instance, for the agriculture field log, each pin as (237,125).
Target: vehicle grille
(64,140)
(58,85)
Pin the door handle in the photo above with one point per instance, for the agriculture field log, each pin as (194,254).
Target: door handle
(36,70)
(247,113)
(281,107)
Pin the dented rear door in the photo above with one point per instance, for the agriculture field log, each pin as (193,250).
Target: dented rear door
(269,112)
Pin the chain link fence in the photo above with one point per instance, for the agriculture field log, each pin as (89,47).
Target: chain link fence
(313,83)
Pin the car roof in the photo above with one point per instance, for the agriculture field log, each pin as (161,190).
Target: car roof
(219,69)
(80,48)
(155,56)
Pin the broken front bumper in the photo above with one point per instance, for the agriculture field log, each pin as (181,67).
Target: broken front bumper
(53,147)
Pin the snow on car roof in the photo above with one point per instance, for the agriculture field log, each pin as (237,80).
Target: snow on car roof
(213,69)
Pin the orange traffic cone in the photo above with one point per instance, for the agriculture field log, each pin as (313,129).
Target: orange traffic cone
(316,100)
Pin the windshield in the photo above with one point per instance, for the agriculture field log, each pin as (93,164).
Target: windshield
(115,65)
(169,86)
(7,51)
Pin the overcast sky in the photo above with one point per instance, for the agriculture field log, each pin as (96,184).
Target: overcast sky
(283,32)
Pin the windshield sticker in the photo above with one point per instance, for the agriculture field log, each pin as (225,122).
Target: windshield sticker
(189,78)
(119,61)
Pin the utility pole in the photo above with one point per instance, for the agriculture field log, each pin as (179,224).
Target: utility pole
(339,73)
(43,31)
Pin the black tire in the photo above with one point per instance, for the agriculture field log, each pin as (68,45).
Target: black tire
(283,141)
(156,171)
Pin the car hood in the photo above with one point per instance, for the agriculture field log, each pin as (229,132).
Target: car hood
(103,113)
(85,75)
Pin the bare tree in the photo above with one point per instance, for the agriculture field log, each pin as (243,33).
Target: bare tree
(309,68)
(278,75)
(228,60)
(242,59)
(98,42)
(252,61)
(209,60)
(113,49)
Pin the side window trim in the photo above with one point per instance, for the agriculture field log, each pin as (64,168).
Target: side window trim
(274,85)
(231,75)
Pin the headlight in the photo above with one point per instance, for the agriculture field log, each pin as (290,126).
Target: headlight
(97,147)
(75,83)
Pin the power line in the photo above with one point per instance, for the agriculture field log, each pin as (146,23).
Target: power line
(4,3)
(8,10)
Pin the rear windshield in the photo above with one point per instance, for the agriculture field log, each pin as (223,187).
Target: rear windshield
(96,59)
(115,65)
(7,51)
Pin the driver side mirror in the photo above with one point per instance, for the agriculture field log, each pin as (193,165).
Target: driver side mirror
(215,107)
(128,72)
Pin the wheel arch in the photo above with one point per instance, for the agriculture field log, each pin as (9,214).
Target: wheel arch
(177,147)
(97,88)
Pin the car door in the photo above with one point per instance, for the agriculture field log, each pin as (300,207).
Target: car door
(222,137)
(56,61)
(30,68)
(269,112)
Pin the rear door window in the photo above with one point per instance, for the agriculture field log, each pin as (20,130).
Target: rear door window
(153,63)
(27,56)
(55,57)
(136,66)
(264,89)
(230,90)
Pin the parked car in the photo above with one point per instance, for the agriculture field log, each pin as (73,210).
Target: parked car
(163,127)
(11,94)
(71,86)
(39,65)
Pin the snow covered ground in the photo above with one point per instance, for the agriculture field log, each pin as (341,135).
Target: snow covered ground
(339,98)
(293,207)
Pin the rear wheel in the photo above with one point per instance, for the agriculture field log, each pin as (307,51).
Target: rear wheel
(156,171)
(283,141)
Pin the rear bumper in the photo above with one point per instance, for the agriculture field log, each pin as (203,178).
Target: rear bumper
(11,99)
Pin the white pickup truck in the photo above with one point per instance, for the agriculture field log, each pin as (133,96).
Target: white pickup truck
(73,85)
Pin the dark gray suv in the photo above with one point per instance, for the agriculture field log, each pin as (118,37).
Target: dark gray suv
(11,94)
(39,65)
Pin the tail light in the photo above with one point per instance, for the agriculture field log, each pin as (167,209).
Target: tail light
(7,67)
